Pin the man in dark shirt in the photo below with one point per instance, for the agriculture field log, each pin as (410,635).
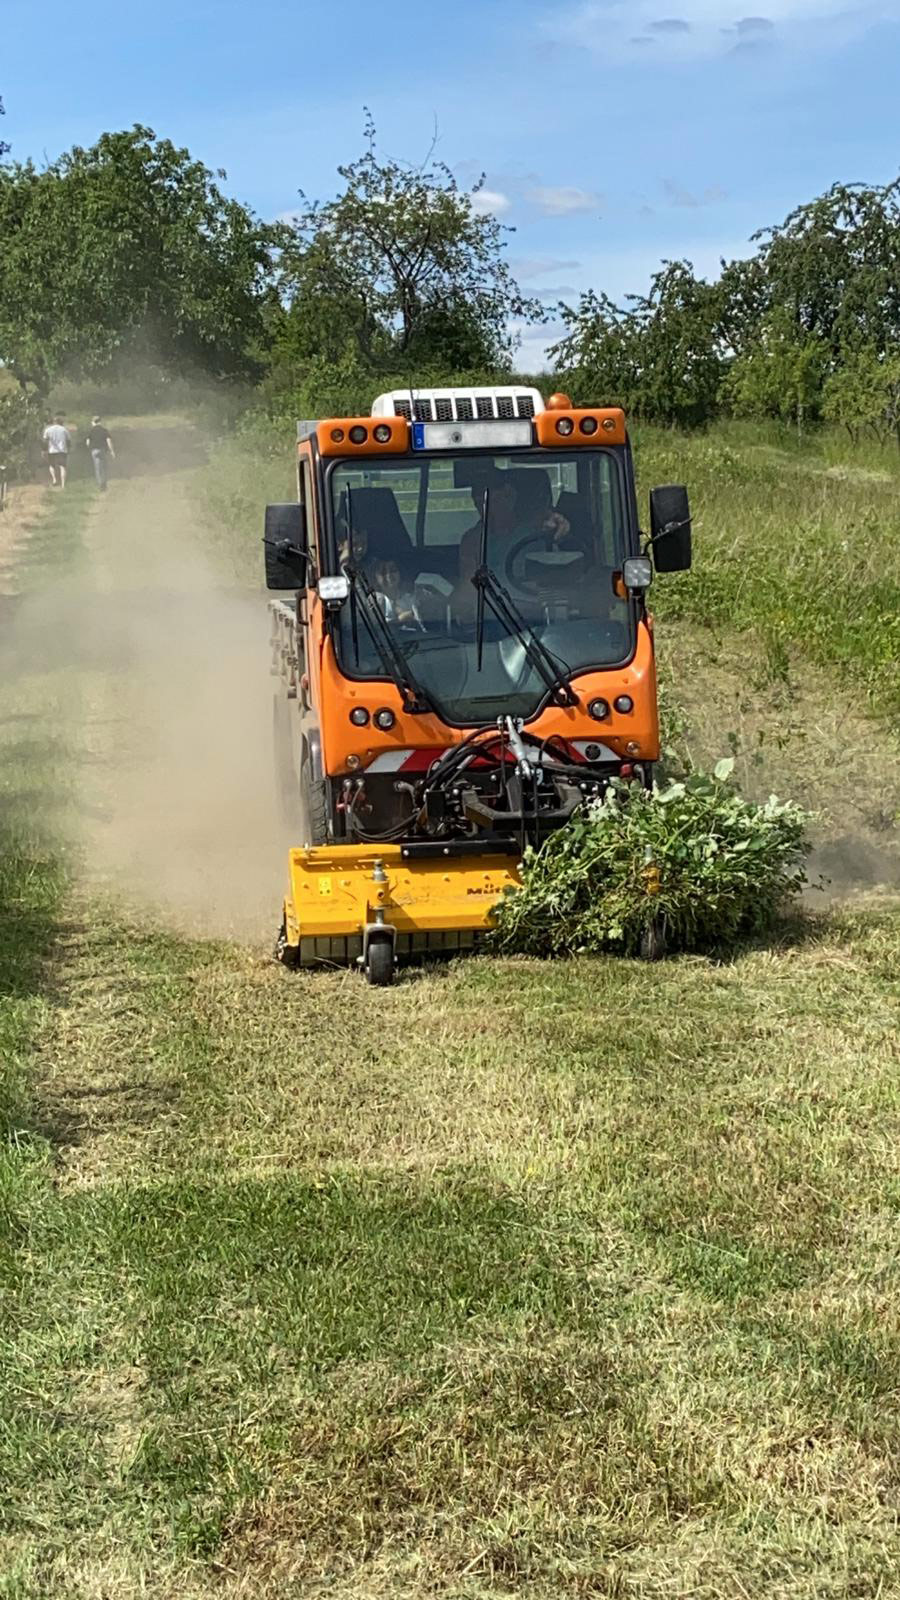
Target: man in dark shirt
(101,447)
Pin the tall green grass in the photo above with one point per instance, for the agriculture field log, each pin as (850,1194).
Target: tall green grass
(798,542)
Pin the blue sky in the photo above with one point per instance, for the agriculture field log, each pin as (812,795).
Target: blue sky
(613,133)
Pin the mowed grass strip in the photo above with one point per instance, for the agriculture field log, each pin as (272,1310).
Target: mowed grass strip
(520,1278)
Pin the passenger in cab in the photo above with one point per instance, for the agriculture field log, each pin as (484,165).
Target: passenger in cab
(397,600)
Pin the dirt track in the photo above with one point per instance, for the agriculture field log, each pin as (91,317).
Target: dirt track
(166,688)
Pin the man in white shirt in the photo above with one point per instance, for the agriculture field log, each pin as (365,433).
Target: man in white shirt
(57,441)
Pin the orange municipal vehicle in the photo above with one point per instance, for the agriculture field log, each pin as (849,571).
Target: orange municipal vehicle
(464,653)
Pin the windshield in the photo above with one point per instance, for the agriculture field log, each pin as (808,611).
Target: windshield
(556,537)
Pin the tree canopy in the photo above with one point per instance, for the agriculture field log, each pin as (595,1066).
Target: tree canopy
(131,249)
(659,356)
(402,267)
(129,245)
(809,326)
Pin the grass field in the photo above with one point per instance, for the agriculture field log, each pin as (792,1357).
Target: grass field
(519,1279)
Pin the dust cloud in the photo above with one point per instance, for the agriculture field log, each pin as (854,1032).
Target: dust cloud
(162,675)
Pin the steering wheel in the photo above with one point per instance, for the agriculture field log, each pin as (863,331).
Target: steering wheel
(527,585)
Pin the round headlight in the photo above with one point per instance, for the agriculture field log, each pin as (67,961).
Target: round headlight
(337,435)
(383,433)
(359,716)
(623,703)
(598,709)
(358,435)
(588,424)
(565,426)
(385,719)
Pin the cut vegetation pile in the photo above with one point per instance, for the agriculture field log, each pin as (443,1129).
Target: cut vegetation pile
(692,858)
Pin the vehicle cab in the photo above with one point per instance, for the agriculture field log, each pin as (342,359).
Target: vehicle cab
(467,638)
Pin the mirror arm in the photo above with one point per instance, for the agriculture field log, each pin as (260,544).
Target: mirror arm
(650,539)
(285,550)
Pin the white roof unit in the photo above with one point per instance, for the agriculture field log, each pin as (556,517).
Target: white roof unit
(459,405)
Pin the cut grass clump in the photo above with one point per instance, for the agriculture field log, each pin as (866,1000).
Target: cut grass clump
(712,865)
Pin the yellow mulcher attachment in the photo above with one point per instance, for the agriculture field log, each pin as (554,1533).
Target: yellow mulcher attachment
(371,903)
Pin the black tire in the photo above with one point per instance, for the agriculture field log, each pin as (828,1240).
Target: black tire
(380,962)
(314,793)
(653,939)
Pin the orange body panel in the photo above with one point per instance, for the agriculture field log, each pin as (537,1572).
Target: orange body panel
(610,428)
(632,736)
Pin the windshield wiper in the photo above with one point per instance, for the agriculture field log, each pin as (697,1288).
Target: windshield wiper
(362,595)
(490,589)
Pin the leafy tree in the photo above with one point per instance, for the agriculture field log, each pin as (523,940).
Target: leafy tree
(130,245)
(400,268)
(780,375)
(21,419)
(659,356)
(864,392)
(833,266)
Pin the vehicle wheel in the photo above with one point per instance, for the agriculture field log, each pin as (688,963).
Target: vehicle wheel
(285,770)
(653,939)
(380,962)
(287,954)
(314,793)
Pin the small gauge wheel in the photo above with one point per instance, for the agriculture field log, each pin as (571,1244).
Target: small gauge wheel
(380,962)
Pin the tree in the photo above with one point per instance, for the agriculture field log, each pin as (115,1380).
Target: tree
(130,245)
(780,374)
(864,392)
(659,356)
(401,268)
(4,147)
(832,266)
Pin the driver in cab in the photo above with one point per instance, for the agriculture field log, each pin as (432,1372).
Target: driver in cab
(520,506)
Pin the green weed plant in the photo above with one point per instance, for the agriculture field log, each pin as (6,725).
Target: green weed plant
(715,866)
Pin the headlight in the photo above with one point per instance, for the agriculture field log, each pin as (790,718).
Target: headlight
(565,426)
(598,709)
(384,719)
(624,703)
(359,716)
(358,435)
(637,572)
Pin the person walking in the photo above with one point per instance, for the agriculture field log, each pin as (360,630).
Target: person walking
(57,443)
(101,447)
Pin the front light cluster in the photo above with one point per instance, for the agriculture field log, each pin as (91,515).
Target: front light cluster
(587,426)
(599,708)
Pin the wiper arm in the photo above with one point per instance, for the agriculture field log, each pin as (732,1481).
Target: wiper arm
(362,595)
(490,589)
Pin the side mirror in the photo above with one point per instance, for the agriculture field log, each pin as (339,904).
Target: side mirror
(286,546)
(670,528)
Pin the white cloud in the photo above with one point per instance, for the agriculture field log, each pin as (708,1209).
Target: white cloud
(712,27)
(564,200)
(538,266)
(490,203)
(678,195)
